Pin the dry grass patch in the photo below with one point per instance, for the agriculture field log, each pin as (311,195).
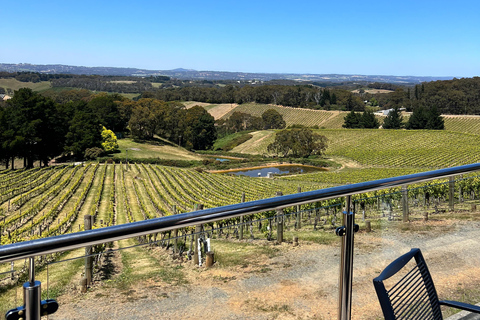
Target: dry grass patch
(147,150)
(243,254)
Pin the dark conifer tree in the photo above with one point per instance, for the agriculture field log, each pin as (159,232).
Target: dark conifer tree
(435,120)
(418,119)
(353,120)
(369,121)
(393,120)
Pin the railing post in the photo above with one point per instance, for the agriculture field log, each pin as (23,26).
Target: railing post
(346,261)
(87,223)
(175,233)
(460,190)
(405,203)
(299,215)
(33,308)
(279,221)
(32,294)
(451,190)
(198,229)
(240,234)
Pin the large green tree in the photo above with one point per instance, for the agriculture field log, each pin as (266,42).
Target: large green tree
(106,106)
(171,121)
(352,120)
(366,120)
(298,142)
(84,132)
(369,121)
(418,119)
(145,118)
(4,155)
(354,103)
(425,118)
(240,121)
(435,119)
(272,119)
(200,132)
(34,127)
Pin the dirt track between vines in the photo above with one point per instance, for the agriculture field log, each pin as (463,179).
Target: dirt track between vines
(299,283)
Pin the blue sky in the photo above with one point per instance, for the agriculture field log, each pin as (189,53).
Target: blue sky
(422,37)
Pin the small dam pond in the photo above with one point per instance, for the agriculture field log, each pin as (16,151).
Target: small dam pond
(274,170)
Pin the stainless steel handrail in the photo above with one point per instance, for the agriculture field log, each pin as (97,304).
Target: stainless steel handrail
(81,239)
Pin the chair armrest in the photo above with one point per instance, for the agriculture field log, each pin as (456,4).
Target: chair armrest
(460,305)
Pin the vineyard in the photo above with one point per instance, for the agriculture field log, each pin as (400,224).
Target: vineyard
(335,119)
(350,175)
(43,202)
(48,201)
(466,124)
(53,200)
(389,148)
(306,117)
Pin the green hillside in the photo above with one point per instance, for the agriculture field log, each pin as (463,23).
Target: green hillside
(390,148)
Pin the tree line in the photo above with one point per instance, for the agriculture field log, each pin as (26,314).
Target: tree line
(299,96)
(240,121)
(26,76)
(457,96)
(193,128)
(428,118)
(38,128)
(102,83)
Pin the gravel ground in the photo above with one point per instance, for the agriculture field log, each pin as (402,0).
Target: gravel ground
(300,283)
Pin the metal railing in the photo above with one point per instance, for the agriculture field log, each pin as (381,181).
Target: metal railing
(31,249)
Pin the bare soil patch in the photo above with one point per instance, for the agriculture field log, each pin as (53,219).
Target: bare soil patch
(190,104)
(346,163)
(222,109)
(216,110)
(373,91)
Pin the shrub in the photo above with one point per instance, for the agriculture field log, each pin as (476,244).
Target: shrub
(93,153)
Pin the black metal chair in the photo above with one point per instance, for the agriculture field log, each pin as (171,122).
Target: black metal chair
(414,295)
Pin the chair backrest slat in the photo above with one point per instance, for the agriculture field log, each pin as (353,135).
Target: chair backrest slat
(409,290)
(413,296)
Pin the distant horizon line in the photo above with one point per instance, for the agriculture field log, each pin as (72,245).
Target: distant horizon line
(181,69)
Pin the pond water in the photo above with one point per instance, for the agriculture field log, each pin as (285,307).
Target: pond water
(263,172)
(222,159)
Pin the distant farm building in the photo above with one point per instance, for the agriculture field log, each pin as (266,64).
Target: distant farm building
(386,112)
(4,97)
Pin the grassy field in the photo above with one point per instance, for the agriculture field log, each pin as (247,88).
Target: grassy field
(14,84)
(231,140)
(257,144)
(129,95)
